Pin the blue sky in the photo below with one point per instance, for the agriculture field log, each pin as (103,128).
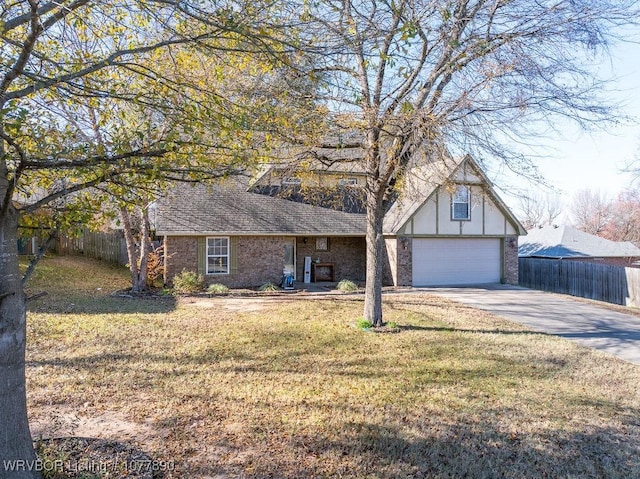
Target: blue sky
(595,160)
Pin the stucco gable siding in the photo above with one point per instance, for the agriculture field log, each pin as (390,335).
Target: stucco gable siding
(428,199)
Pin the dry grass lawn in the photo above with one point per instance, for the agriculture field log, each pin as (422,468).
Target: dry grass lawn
(289,388)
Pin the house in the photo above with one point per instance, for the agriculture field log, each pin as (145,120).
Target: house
(241,238)
(568,261)
(565,242)
(448,226)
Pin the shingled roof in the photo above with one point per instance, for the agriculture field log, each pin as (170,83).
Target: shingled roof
(567,242)
(228,208)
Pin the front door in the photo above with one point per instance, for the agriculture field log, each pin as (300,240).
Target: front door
(290,256)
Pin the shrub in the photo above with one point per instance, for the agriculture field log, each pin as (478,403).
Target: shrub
(187,282)
(347,285)
(217,288)
(268,287)
(155,267)
(363,324)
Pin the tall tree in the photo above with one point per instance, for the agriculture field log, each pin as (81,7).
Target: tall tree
(106,96)
(591,211)
(537,210)
(624,220)
(423,79)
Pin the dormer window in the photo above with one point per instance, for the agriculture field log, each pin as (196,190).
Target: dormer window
(461,204)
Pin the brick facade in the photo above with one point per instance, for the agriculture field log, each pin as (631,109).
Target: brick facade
(398,267)
(405,262)
(390,262)
(180,252)
(346,253)
(260,259)
(510,267)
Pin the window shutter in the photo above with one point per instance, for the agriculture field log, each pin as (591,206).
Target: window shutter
(233,255)
(202,255)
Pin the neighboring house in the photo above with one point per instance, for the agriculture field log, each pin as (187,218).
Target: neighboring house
(565,242)
(448,226)
(569,261)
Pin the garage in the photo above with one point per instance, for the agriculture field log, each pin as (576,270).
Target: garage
(455,261)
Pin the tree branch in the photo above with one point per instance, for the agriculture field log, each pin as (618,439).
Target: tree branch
(110,61)
(33,297)
(67,191)
(13,180)
(384,52)
(43,10)
(17,69)
(48,163)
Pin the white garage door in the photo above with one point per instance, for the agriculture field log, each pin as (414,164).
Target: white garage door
(456,261)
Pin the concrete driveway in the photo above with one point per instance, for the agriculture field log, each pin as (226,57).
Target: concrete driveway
(584,322)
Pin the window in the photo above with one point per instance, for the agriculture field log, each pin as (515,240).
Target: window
(217,255)
(460,207)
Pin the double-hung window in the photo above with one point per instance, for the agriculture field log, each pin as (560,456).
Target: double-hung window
(461,204)
(218,255)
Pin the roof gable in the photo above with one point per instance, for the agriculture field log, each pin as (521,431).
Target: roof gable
(422,183)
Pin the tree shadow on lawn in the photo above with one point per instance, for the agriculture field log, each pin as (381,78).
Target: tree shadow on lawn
(407,441)
(295,351)
(448,329)
(102,304)
(430,450)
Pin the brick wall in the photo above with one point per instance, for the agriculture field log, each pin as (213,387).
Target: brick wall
(405,262)
(260,259)
(390,262)
(348,255)
(180,252)
(511,260)
(398,266)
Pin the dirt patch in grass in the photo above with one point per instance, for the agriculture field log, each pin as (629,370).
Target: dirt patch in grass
(241,304)
(293,389)
(61,421)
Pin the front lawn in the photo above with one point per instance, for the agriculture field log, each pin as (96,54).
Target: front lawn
(286,387)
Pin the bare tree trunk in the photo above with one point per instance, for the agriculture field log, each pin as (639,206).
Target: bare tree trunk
(137,265)
(145,247)
(375,262)
(125,217)
(16,446)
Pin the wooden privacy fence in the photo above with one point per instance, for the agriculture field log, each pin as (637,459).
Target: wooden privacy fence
(602,282)
(109,247)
